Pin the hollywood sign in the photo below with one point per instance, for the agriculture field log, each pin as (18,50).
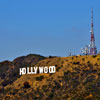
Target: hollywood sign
(36,70)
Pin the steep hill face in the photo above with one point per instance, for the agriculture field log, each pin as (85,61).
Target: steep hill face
(9,71)
(76,78)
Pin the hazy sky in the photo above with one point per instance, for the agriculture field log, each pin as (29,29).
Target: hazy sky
(46,27)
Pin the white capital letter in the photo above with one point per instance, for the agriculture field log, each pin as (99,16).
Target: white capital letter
(52,69)
(22,71)
(45,69)
(40,69)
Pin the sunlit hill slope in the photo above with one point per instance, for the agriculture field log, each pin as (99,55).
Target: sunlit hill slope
(76,78)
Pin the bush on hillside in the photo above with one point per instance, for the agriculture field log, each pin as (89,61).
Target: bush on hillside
(26,84)
(39,78)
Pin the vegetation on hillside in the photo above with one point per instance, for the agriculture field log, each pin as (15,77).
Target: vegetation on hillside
(76,78)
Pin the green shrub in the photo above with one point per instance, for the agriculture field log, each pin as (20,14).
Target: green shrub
(57,69)
(39,78)
(76,63)
(83,59)
(94,56)
(26,85)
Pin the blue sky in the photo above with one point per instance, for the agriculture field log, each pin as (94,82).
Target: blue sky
(46,27)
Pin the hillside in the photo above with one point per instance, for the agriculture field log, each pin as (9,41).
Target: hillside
(9,71)
(76,78)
